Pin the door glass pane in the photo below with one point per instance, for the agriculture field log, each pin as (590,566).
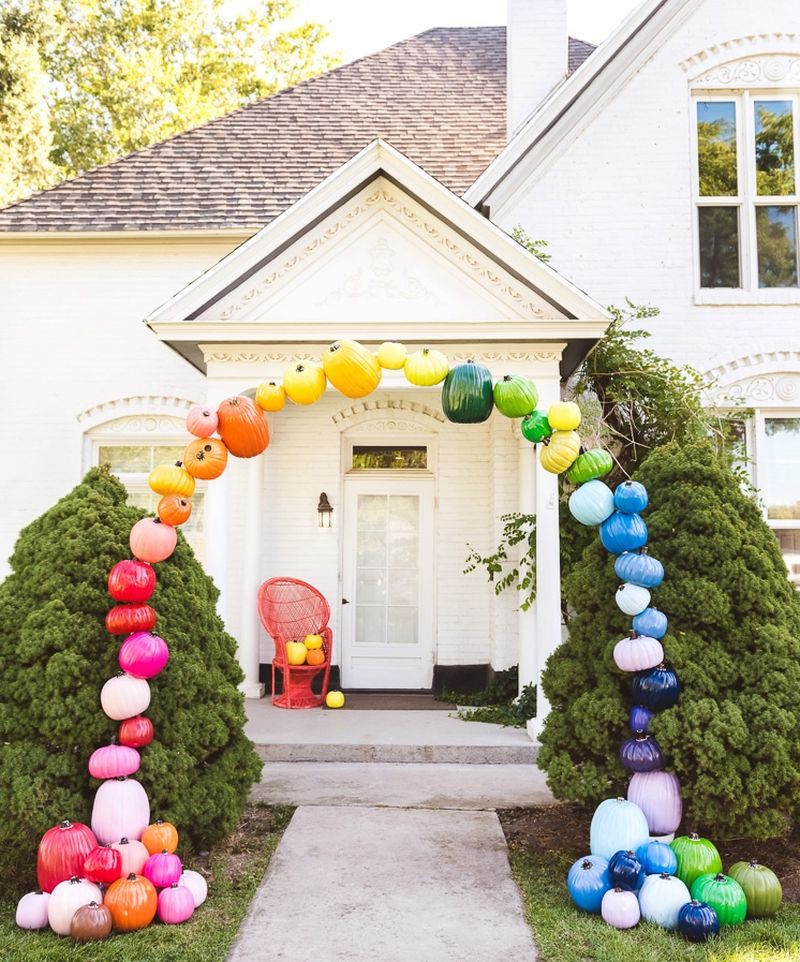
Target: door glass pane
(371,586)
(776,234)
(774,147)
(789,540)
(403,624)
(371,548)
(716,149)
(371,457)
(372,512)
(719,246)
(779,474)
(370,625)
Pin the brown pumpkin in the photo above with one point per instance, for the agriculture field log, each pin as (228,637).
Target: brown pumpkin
(132,902)
(90,923)
(243,427)
(205,458)
(161,836)
(174,510)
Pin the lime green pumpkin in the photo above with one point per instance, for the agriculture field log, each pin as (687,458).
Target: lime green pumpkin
(467,396)
(515,396)
(535,427)
(724,895)
(590,465)
(761,887)
(696,856)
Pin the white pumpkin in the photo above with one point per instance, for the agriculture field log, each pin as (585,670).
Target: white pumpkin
(65,900)
(196,884)
(632,599)
(661,897)
(124,696)
(32,910)
(121,809)
(638,653)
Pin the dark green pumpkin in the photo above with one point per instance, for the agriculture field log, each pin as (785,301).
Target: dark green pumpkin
(535,427)
(590,465)
(467,396)
(761,885)
(515,396)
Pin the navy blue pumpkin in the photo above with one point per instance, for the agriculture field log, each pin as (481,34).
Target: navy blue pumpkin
(638,568)
(697,921)
(623,532)
(640,718)
(467,394)
(651,622)
(642,753)
(630,497)
(625,871)
(656,689)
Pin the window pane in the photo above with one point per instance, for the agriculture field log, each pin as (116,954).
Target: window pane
(719,246)
(716,149)
(125,460)
(367,457)
(776,234)
(789,540)
(774,147)
(779,473)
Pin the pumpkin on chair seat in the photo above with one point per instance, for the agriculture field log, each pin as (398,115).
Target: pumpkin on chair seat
(315,656)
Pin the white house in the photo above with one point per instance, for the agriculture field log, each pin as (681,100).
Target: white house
(372,202)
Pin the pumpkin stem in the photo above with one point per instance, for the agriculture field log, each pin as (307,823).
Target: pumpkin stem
(299,369)
(132,877)
(74,880)
(665,875)
(694,902)
(123,841)
(754,863)
(618,889)
(506,377)
(93,904)
(719,877)
(65,824)
(694,837)
(632,633)
(586,864)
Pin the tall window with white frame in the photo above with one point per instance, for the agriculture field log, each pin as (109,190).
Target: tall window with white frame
(746,189)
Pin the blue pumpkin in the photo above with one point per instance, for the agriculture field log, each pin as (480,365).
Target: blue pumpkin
(623,532)
(656,857)
(697,921)
(591,503)
(639,568)
(630,497)
(656,689)
(588,881)
(640,718)
(641,753)
(651,622)
(625,871)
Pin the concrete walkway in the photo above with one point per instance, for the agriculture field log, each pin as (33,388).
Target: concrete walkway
(387,885)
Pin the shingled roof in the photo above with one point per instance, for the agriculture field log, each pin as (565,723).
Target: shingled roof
(438,97)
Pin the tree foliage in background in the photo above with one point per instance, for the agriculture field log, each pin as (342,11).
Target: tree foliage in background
(734,642)
(55,656)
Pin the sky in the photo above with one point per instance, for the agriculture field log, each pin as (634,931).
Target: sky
(359,27)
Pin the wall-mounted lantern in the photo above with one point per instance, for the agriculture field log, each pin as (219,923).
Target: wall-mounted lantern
(325,511)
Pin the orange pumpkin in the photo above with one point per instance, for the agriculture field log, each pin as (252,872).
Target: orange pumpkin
(132,902)
(205,458)
(243,427)
(159,837)
(174,510)
(315,657)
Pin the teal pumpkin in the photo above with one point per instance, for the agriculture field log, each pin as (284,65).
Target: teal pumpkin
(724,895)
(536,427)
(761,887)
(696,856)
(467,396)
(515,396)
(590,465)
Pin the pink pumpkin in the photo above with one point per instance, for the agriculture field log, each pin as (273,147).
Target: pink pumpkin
(32,910)
(201,421)
(121,809)
(175,904)
(658,794)
(196,884)
(143,654)
(163,869)
(134,854)
(638,653)
(152,541)
(113,761)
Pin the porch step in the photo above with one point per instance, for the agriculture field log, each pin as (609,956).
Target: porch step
(420,754)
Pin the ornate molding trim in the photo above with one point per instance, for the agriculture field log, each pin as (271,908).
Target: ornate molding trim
(143,406)
(373,414)
(755,60)
(770,377)
(517,356)
(143,424)
(233,355)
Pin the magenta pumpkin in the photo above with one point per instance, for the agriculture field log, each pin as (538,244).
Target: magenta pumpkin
(32,910)
(131,581)
(143,654)
(62,851)
(134,854)
(103,865)
(638,653)
(152,541)
(175,904)
(121,808)
(163,869)
(196,884)
(201,421)
(113,761)
(658,794)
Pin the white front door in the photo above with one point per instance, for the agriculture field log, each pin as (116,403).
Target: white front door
(387,583)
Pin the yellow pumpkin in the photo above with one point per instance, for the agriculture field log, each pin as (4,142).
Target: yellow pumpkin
(351,368)
(171,479)
(564,416)
(392,356)
(270,397)
(296,652)
(334,699)
(559,451)
(304,383)
(312,642)
(426,367)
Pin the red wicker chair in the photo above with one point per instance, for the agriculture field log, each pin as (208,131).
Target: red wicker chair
(289,610)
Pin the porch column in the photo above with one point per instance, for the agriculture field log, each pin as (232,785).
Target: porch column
(527,619)
(217,513)
(249,633)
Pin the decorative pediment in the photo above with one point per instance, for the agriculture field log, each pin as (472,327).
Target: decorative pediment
(761,60)
(765,379)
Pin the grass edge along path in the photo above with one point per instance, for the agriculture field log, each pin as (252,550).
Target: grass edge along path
(234,870)
(564,934)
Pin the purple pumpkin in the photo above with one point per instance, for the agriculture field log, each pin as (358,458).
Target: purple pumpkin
(638,653)
(163,869)
(32,910)
(143,655)
(113,761)
(620,908)
(641,753)
(658,794)
(640,718)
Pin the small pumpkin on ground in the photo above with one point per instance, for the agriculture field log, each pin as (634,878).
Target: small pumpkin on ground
(334,699)
(761,887)
(160,836)
(91,923)
(723,894)
(132,902)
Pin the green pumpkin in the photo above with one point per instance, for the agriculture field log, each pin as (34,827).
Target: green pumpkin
(724,895)
(515,396)
(536,427)
(590,465)
(696,856)
(761,887)
(467,396)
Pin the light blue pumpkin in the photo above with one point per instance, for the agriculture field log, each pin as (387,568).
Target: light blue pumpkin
(651,622)
(588,881)
(661,898)
(623,532)
(630,497)
(639,568)
(617,824)
(632,599)
(656,857)
(591,503)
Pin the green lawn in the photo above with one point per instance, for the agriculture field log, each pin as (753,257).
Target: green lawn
(235,867)
(563,934)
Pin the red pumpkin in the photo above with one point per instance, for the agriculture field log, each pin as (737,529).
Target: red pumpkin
(173,510)
(132,902)
(136,732)
(124,619)
(62,852)
(161,836)
(90,923)
(243,427)
(131,581)
(103,864)
(205,458)
(201,421)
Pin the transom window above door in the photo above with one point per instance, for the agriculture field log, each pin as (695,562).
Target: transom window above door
(398,457)
(746,193)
